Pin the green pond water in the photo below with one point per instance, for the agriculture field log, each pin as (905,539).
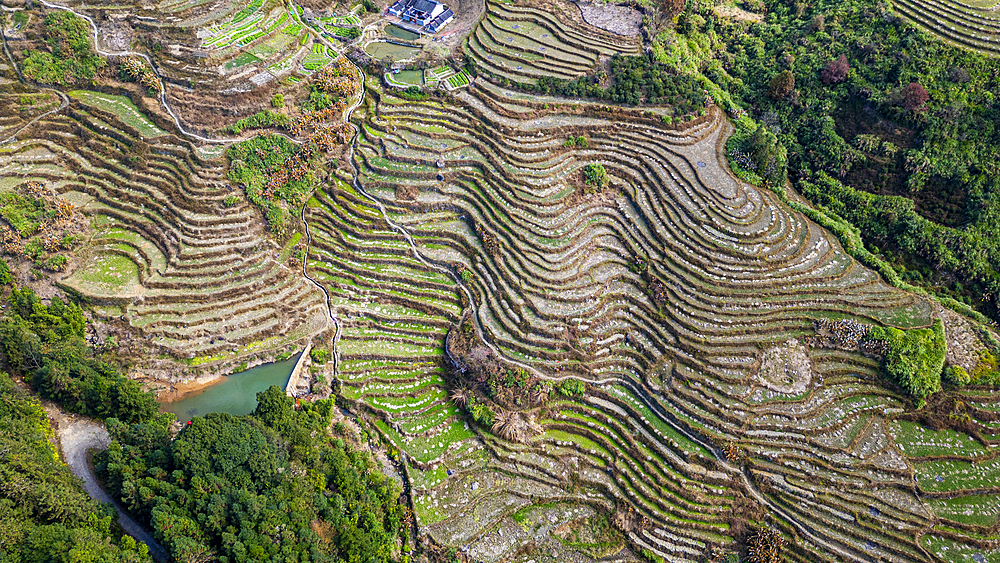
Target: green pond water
(381,49)
(400,33)
(235,394)
(415,77)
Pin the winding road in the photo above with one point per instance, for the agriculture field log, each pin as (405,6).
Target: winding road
(79,437)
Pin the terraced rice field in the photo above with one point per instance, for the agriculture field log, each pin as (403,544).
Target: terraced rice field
(524,44)
(395,315)
(670,381)
(122,108)
(196,278)
(974,24)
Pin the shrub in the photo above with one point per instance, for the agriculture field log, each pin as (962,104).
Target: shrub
(959,75)
(55,263)
(255,164)
(414,94)
(278,101)
(480,412)
(231,200)
(596,177)
(571,387)
(261,119)
(914,358)
(319,355)
(765,546)
(781,86)
(956,375)
(672,8)
(634,80)
(6,277)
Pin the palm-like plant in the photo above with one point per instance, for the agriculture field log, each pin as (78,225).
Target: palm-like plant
(459,396)
(507,425)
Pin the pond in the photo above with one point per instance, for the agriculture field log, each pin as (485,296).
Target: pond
(234,394)
(415,77)
(381,50)
(401,33)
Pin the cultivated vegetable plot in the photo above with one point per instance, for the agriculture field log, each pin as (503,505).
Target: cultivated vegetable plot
(320,57)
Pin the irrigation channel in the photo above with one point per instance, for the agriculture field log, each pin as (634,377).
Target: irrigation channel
(641,390)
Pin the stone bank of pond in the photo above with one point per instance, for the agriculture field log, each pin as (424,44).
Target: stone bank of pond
(234,394)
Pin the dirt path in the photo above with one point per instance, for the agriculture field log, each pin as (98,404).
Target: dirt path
(77,435)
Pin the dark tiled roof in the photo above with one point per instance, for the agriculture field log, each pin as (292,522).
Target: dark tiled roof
(425,6)
(442,17)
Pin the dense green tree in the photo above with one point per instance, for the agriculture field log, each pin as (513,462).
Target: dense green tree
(767,155)
(46,345)
(45,517)
(914,358)
(256,488)
(274,408)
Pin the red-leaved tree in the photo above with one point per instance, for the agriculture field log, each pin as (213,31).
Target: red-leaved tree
(836,71)
(915,96)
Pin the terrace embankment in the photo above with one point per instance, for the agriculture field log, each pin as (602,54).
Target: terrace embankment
(197,278)
(662,292)
(972,25)
(525,43)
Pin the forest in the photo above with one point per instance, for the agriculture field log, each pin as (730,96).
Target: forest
(46,345)
(45,517)
(282,484)
(884,125)
(277,485)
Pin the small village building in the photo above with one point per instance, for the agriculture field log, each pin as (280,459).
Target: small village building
(430,14)
(438,23)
